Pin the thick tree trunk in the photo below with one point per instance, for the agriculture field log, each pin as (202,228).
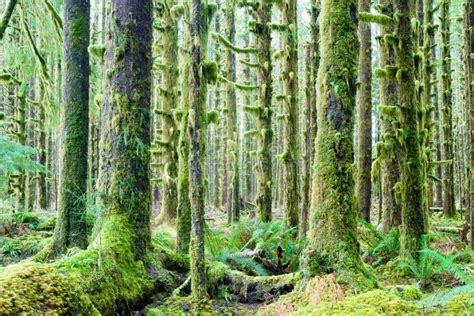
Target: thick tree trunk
(449,208)
(333,218)
(71,228)
(364,103)
(413,179)
(198,29)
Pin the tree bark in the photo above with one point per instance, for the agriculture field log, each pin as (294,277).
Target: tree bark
(290,155)
(264,111)
(364,103)
(71,227)
(449,208)
(413,179)
(333,244)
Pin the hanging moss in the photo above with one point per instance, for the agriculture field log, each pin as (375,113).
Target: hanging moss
(447,146)
(413,175)
(169,102)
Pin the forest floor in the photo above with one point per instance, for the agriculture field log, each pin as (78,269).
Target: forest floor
(442,282)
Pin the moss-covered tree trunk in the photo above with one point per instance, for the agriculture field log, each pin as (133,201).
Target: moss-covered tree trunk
(71,228)
(333,217)
(197,124)
(263,110)
(390,166)
(233,200)
(468,13)
(125,135)
(312,66)
(427,94)
(308,143)
(184,204)
(364,103)
(168,91)
(6,16)
(289,75)
(41,196)
(449,208)
(413,193)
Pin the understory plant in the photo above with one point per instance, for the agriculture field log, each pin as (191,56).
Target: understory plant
(432,265)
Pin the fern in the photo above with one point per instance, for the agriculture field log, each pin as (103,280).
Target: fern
(431,262)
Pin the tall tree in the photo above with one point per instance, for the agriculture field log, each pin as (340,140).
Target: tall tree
(125,134)
(312,66)
(263,109)
(449,208)
(71,228)
(233,200)
(201,73)
(390,166)
(184,204)
(364,104)
(289,75)
(168,92)
(333,218)
(469,103)
(413,197)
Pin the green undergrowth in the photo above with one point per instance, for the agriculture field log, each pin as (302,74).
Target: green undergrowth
(14,248)
(106,278)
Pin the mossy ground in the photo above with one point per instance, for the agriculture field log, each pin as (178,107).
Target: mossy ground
(83,277)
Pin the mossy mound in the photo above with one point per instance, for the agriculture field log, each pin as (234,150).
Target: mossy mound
(34,288)
(107,274)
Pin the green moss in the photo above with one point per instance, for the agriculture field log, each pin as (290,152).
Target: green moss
(32,288)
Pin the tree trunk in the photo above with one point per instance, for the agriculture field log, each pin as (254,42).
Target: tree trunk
(413,193)
(449,208)
(390,167)
(199,72)
(333,218)
(168,93)
(364,103)
(469,104)
(290,155)
(71,228)
(233,200)
(264,111)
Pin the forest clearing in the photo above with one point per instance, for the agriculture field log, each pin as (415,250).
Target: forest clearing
(236,157)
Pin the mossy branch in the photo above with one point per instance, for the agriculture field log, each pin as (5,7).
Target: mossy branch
(377,18)
(57,21)
(237,85)
(6,16)
(239,50)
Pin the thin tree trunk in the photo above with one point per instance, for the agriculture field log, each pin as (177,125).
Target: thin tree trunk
(290,156)
(449,208)
(364,103)
(413,193)
(6,16)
